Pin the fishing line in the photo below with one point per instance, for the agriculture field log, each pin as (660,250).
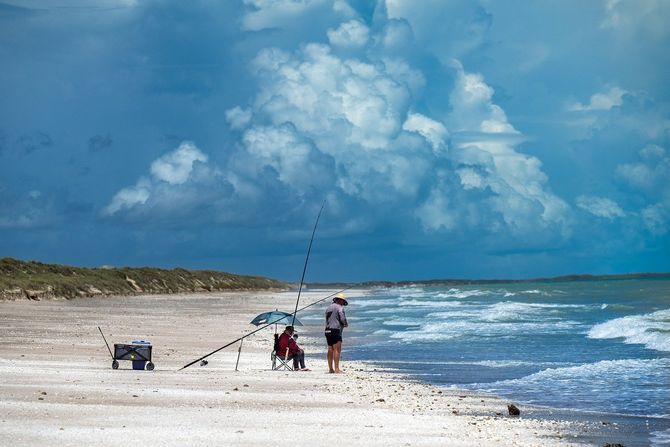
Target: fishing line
(261,328)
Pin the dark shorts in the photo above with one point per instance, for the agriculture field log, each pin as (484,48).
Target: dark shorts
(333,336)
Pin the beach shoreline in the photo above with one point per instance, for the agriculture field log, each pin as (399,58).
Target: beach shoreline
(59,388)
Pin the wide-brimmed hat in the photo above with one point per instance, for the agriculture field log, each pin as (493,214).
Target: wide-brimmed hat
(343,297)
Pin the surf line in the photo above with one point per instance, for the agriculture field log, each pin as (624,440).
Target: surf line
(302,279)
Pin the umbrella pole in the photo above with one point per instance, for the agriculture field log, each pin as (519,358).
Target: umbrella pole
(239,351)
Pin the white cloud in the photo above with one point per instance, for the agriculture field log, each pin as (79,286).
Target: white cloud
(516,180)
(473,99)
(167,186)
(600,206)
(349,34)
(653,169)
(446,29)
(176,167)
(238,117)
(601,101)
(435,213)
(129,197)
(431,130)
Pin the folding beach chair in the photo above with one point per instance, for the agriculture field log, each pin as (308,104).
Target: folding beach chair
(280,360)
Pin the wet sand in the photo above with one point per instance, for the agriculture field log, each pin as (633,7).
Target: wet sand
(57,386)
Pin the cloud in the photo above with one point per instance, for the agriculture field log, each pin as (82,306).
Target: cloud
(449,30)
(652,170)
(601,101)
(349,34)
(650,177)
(433,131)
(600,206)
(656,218)
(175,167)
(633,18)
(490,161)
(129,197)
(177,182)
(237,117)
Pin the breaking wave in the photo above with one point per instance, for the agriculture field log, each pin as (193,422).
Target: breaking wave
(651,330)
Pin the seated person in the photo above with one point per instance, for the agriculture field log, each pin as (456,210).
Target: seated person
(294,352)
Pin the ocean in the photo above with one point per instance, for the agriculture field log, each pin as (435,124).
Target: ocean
(598,347)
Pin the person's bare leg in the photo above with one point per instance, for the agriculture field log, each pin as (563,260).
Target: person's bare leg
(330,359)
(337,350)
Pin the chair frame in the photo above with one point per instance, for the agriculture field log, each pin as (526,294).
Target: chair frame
(278,362)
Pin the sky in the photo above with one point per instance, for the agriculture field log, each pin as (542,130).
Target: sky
(448,139)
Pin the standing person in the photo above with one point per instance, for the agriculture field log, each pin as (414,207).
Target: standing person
(336,321)
(287,348)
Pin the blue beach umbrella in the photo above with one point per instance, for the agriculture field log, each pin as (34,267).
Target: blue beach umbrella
(276,317)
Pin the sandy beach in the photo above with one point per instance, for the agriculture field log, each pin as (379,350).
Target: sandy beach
(57,386)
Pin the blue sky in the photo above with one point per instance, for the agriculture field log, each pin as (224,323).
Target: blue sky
(448,138)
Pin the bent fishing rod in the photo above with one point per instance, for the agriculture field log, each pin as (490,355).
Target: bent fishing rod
(263,327)
(302,281)
(304,269)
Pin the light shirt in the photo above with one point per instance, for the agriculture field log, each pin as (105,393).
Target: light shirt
(335,317)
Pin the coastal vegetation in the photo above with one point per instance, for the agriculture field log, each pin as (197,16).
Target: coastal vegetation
(36,280)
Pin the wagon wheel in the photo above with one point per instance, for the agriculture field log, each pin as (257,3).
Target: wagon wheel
(150,366)
(115,365)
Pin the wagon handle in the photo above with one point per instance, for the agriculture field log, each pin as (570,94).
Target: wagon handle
(103,337)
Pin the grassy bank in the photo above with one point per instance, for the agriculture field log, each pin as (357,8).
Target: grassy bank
(35,280)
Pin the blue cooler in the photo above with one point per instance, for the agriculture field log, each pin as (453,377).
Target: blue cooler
(140,364)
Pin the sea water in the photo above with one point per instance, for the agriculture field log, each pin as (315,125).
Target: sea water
(592,346)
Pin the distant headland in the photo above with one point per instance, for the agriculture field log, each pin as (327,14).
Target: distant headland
(36,280)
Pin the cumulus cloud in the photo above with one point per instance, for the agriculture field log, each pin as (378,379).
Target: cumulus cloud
(129,197)
(490,160)
(176,167)
(238,117)
(652,169)
(433,131)
(600,206)
(601,101)
(447,29)
(166,185)
(352,126)
(349,34)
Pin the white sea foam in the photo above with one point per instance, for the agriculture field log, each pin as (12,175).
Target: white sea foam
(660,438)
(607,381)
(486,363)
(430,303)
(404,322)
(515,311)
(651,330)
(445,330)
(374,302)
(459,293)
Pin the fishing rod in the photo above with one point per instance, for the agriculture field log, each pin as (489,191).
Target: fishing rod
(261,328)
(304,269)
